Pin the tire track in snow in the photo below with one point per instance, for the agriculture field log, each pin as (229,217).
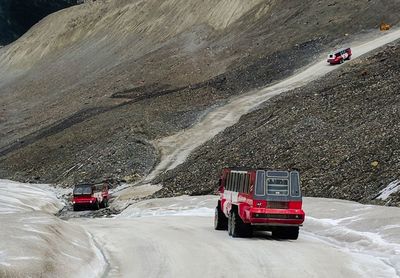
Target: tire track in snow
(100,251)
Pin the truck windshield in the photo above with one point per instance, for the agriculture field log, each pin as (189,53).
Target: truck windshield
(83,190)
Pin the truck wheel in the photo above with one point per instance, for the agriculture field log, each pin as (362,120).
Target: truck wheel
(292,232)
(75,207)
(238,228)
(96,205)
(248,230)
(220,220)
(103,203)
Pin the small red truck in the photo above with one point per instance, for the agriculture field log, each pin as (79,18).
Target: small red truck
(259,199)
(339,56)
(88,195)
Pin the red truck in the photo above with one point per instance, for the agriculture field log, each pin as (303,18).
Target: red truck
(88,195)
(339,56)
(259,199)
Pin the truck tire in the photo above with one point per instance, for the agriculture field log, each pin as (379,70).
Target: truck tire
(75,207)
(220,220)
(96,205)
(238,227)
(292,233)
(230,224)
(104,203)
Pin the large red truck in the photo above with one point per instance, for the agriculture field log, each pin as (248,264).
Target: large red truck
(259,199)
(89,195)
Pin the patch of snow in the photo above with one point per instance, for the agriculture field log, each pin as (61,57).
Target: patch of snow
(393,187)
(3,257)
(181,211)
(361,229)
(19,197)
(176,206)
(33,247)
(35,243)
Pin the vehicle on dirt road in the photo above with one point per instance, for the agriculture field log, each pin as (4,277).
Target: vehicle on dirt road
(259,199)
(90,196)
(339,56)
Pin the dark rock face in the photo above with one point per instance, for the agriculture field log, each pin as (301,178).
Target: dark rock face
(341,131)
(17,16)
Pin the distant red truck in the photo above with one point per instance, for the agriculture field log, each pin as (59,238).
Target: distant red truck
(92,196)
(339,56)
(259,199)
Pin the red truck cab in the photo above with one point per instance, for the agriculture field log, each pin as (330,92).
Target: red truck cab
(88,195)
(259,199)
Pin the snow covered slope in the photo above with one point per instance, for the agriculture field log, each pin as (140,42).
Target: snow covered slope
(35,243)
(174,237)
(17,197)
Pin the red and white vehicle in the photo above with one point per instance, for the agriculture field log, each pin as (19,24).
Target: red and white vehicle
(259,199)
(339,56)
(94,196)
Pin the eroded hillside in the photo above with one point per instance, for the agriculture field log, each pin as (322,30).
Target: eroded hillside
(86,90)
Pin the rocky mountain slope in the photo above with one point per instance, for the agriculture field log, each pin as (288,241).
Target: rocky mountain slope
(17,16)
(86,91)
(342,132)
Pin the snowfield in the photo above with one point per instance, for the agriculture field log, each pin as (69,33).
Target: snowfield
(177,206)
(18,197)
(35,243)
(174,237)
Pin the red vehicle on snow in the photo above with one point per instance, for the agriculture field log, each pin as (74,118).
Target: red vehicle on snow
(88,195)
(259,199)
(339,56)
